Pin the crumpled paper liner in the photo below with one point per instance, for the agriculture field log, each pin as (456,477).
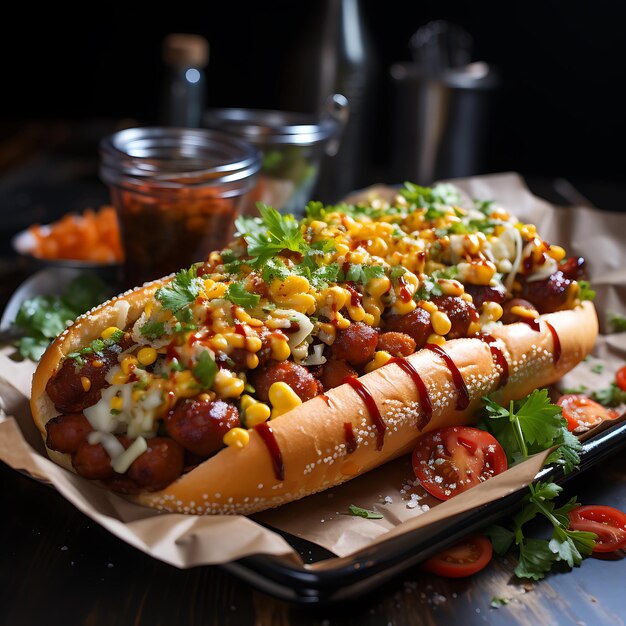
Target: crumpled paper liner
(187,541)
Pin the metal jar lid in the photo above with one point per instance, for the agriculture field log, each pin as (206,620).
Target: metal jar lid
(262,127)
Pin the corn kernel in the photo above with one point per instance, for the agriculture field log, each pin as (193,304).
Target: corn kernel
(356,313)
(524,312)
(429,306)
(218,343)
(236,438)
(493,311)
(128,364)
(148,308)
(450,287)
(246,402)
(119,378)
(85,382)
(235,340)
(402,308)
(380,358)
(436,339)
(97,363)
(327,333)
(147,355)
(283,399)
(228,386)
(107,333)
(473,328)
(341,249)
(137,395)
(467,297)
(256,414)
(117,403)
(557,253)
(252,361)
(280,349)
(253,344)
(441,323)
(341,322)
(377,287)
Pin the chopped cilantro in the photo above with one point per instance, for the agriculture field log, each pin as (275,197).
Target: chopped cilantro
(396,272)
(97,346)
(484,206)
(429,197)
(238,295)
(359,273)
(205,369)
(180,293)
(497,602)
(598,368)
(610,396)
(586,292)
(153,329)
(357,511)
(450,272)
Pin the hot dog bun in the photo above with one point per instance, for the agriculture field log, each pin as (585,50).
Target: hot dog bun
(311,437)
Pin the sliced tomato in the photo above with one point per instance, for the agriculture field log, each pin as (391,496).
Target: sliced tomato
(607,522)
(620,378)
(462,559)
(454,459)
(583,412)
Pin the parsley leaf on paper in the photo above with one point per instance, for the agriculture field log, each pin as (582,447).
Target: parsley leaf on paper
(240,296)
(41,318)
(180,293)
(366,513)
(532,425)
(610,396)
(537,556)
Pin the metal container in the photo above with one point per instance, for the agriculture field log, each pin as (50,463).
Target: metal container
(293,146)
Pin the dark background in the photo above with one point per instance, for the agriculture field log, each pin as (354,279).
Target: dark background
(559,110)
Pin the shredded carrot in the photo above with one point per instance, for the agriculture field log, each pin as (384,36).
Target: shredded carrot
(92,236)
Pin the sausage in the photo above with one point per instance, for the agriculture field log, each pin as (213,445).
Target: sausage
(397,344)
(355,344)
(199,426)
(484,293)
(161,464)
(460,313)
(415,324)
(573,268)
(510,318)
(548,295)
(300,379)
(66,387)
(332,373)
(92,461)
(65,432)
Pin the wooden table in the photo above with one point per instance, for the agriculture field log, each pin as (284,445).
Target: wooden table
(57,566)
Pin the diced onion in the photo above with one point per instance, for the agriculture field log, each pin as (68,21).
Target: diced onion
(124,460)
(99,415)
(316,357)
(109,442)
(543,271)
(517,238)
(305,326)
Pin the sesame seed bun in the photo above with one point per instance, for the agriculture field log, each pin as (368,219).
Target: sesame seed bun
(311,437)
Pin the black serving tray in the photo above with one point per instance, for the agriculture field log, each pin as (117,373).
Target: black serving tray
(349,577)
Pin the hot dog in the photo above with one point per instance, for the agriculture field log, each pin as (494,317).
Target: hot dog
(305,354)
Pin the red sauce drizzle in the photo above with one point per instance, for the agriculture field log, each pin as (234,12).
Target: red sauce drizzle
(171,351)
(367,398)
(267,434)
(355,296)
(533,322)
(557,342)
(427,406)
(239,328)
(193,338)
(326,399)
(348,432)
(405,294)
(462,401)
(498,357)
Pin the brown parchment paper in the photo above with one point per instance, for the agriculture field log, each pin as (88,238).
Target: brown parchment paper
(186,541)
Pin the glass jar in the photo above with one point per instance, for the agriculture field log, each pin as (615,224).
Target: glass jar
(177,192)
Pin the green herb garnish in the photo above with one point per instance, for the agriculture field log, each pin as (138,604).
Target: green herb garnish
(42,318)
(366,513)
(616,321)
(205,369)
(598,368)
(610,396)
(238,295)
(586,292)
(180,293)
(153,329)
(537,556)
(532,425)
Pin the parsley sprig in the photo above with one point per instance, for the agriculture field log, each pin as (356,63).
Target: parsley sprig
(532,425)
(537,556)
(180,293)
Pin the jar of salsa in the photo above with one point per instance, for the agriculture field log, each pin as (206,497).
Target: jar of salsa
(177,192)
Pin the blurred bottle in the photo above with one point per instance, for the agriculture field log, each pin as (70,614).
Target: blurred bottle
(184,87)
(336,55)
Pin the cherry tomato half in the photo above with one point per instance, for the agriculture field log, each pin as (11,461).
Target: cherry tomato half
(620,378)
(608,523)
(454,459)
(583,412)
(462,559)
